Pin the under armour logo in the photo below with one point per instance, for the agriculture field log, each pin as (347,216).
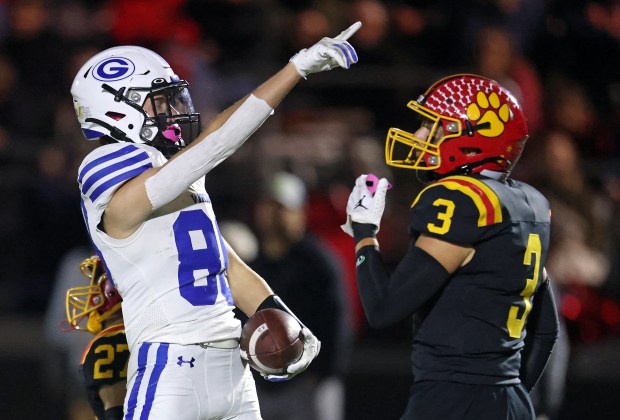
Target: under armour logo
(359,204)
(181,361)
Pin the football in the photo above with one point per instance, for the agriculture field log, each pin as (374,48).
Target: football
(271,340)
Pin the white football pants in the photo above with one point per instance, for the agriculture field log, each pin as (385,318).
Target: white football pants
(189,382)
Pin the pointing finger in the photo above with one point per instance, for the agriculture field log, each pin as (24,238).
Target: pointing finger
(348,33)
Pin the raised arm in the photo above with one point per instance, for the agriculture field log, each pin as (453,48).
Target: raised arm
(134,202)
(426,267)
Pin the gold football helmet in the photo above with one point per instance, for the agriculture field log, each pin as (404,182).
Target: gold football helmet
(95,302)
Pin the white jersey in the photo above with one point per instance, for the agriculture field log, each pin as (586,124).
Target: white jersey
(171,272)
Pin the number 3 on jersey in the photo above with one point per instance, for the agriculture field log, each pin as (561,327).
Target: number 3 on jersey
(200,256)
(445,217)
(532,256)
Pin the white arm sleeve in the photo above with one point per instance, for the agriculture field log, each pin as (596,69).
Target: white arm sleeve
(178,174)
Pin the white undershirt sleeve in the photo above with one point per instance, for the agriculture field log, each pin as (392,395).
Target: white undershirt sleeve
(177,175)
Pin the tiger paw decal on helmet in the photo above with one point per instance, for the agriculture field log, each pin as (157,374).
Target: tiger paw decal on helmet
(496,116)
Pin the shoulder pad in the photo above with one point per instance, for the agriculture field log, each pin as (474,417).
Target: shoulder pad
(105,359)
(483,197)
(108,167)
(114,334)
(455,208)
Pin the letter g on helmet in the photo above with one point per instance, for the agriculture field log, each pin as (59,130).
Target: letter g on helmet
(113,69)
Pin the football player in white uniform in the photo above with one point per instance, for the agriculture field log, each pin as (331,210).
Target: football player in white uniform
(153,226)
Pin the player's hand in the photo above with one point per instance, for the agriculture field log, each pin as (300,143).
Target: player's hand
(312,346)
(364,206)
(327,54)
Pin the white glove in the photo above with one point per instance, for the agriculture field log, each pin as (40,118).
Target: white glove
(364,206)
(312,346)
(327,54)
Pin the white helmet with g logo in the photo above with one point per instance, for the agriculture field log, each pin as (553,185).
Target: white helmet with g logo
(114,89)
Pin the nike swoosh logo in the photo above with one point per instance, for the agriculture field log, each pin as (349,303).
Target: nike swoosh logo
(360,260)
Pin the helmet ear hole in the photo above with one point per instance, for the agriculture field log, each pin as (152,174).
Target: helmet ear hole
(116,116)
(470,151)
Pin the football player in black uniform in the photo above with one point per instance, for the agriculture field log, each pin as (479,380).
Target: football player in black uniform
(104,362)
(474,272)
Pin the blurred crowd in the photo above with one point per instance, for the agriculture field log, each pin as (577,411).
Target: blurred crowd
(561,58)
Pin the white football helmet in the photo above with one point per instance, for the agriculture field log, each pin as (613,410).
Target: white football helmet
(131,94)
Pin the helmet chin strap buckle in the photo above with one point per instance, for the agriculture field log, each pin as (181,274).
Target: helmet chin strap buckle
(471,129)
(119,94)
(465,169)
(119,97)
(115,133)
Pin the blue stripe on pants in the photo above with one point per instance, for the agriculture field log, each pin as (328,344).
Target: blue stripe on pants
(133,397)
(160,364)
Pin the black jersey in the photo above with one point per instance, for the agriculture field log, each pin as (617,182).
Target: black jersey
(104,362)
(473,330)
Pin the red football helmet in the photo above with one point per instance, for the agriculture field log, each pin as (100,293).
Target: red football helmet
(97,301)
(469,123)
